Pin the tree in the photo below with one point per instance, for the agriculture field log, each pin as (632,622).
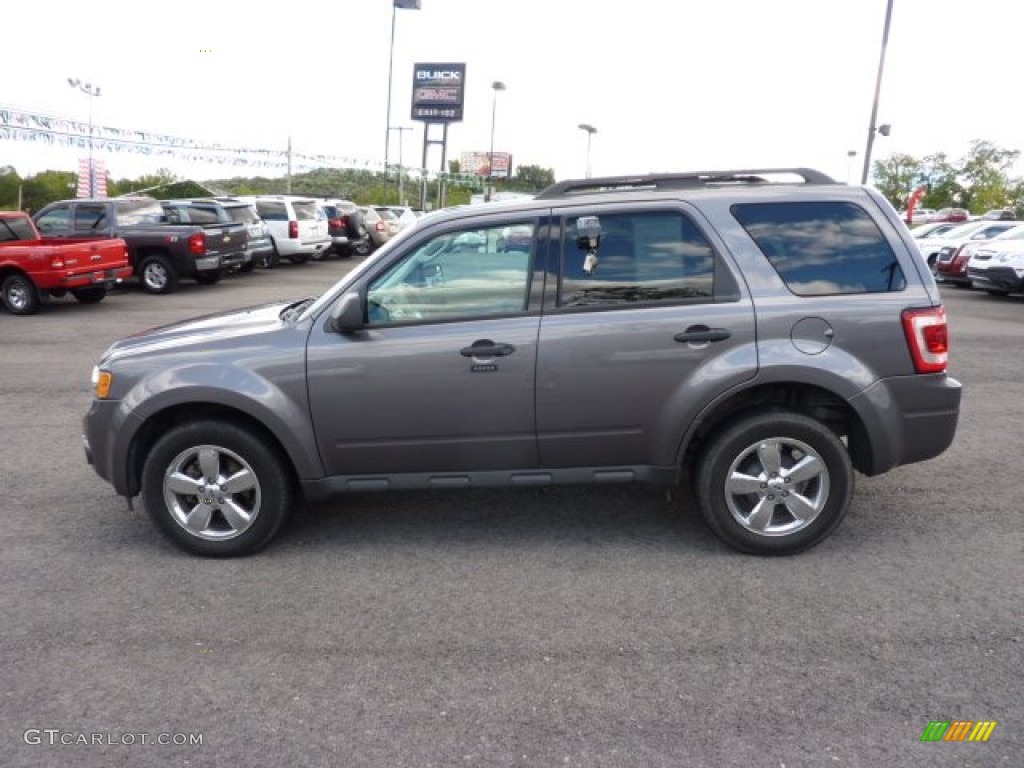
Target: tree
(896,177)
(10,182)
(533,177)
(43,188)
(983,176)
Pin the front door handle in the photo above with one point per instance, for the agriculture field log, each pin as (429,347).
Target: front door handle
(701,333)
(487,348)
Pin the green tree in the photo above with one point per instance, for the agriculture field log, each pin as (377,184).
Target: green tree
(10,183)
(984,176)
(896,177)
(533,178)
(46,187)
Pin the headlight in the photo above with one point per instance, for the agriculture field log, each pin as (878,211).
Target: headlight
(101,381)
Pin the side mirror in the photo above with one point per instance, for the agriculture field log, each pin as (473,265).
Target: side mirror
(347,316)
(588,233)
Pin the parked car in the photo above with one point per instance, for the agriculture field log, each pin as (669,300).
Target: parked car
(260,248)
(298,231)
(931,247)
(212,216)
(660,327)
(999,214)
(378,224)
(339,227)
(951,262)
(922,216)
(951,214)
(932,229)
(997,266)
(405,215)
(32,269)
(160,253)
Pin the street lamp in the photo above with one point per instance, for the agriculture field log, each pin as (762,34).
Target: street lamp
(591,130)
(408,5)
(497,85)
(92,91)
(401,165)
(878,89)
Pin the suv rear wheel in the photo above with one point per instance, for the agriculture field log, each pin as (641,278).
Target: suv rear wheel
(216,489)
(774,483)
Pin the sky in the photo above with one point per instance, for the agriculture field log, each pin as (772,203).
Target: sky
(670,85)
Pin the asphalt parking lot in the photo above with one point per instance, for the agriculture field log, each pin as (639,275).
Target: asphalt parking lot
(545,627)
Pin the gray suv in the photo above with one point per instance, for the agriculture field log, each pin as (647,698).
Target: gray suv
(760,334)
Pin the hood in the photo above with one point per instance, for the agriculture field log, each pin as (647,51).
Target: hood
(235,327)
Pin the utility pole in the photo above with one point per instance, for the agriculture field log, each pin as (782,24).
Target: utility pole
(288,177)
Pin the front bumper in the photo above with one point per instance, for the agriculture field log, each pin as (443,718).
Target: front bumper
(996,279)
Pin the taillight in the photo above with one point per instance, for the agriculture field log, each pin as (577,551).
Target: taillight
(197,243)
(927,337)
(380,225)
(293,229)
(343,221)
(335,223)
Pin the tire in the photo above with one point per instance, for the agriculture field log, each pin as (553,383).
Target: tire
(92,294)
(298,258)
(19,295)
(230,523)
(751,446)
(997,293)
(362,247)
(247,266)
(157,275)
(208,278)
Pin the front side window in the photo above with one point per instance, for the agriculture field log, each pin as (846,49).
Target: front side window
(458,275)
(822,249)
(639,258)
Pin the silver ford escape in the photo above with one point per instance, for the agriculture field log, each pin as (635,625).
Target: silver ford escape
(762,334)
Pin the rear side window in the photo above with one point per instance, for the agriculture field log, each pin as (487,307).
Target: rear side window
(822,249)
(272,210)
(201,214)
(15,228)
(241,213)
(642,257)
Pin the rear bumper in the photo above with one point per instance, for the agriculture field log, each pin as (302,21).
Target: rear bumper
(98,277)
(908,419)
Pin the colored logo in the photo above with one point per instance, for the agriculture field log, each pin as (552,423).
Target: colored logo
(958,730)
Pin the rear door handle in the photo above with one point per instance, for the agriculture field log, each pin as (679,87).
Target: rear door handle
(487,348)
(701,333)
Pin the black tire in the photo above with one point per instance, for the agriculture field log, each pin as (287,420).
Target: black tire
(208,278)
(92,294)
(19,295)
(363,247)
(248,266)
(298,258)
(156,274)
(997,293)
(229,450)
(750,446)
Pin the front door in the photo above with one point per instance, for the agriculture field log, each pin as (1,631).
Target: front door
(442,378)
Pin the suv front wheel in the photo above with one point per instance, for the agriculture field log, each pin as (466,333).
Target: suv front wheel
(216,489)
(774,483)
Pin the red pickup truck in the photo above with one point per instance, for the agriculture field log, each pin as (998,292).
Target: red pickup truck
(32,268)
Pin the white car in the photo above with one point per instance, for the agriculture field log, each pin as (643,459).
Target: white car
(406,216)
(998,267)
(932,247)
(933,229)
(298,226)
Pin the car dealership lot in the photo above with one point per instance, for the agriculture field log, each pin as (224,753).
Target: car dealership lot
(533,627)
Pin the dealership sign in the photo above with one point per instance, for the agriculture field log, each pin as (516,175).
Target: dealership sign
(479,164)
(438,91)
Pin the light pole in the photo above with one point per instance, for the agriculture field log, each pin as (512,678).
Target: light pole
(591,130)
(408,5)
(878,90)
(401,165)
(497,85)
(92,91)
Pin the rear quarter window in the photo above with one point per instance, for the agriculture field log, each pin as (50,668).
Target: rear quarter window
(305,211)
(823,248)
(272,210)
(15,228)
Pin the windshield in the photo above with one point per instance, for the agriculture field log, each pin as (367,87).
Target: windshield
(961,231)
(1013,233)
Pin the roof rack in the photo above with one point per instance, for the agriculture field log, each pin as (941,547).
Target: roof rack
(694,180)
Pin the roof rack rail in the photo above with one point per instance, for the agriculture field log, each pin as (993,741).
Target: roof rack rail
(693,180)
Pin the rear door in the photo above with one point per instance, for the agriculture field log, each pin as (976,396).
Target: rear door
(312,224)
(630,351)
